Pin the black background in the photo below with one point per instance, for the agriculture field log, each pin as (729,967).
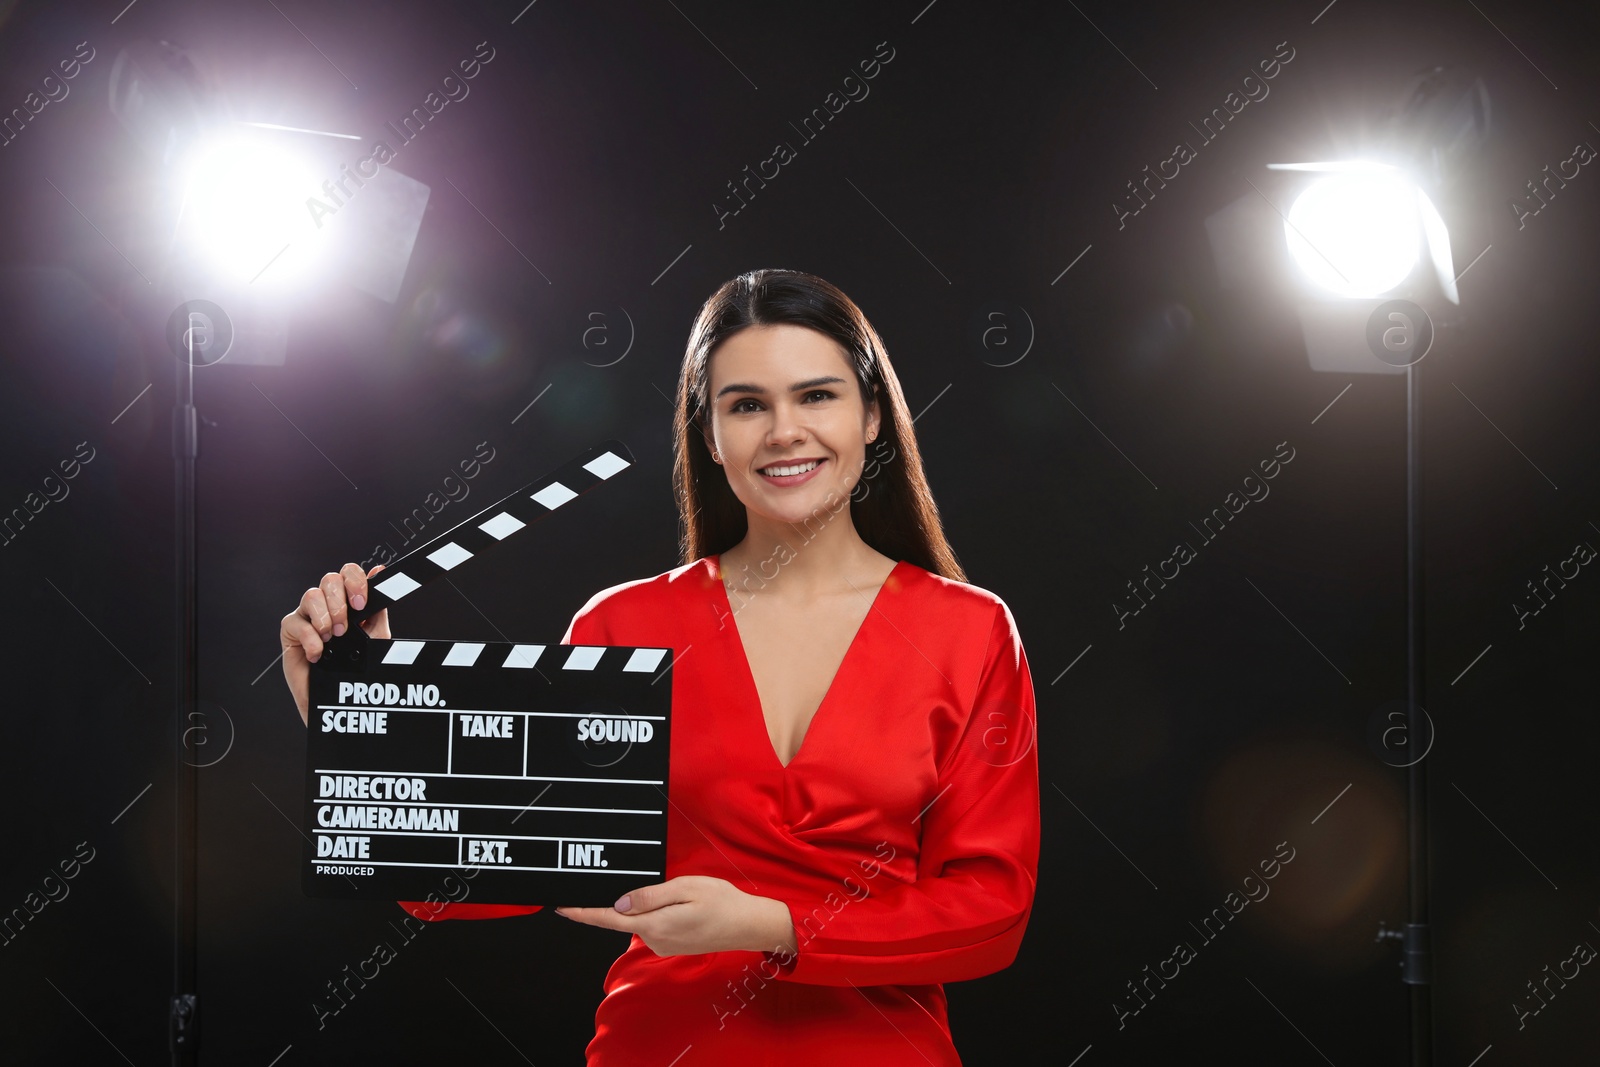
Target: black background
(1175,753)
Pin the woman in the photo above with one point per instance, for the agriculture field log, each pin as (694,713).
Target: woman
(855,798)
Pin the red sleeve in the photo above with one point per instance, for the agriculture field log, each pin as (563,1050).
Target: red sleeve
(965,913)
(585,629)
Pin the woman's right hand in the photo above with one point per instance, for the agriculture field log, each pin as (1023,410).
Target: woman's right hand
(322,614)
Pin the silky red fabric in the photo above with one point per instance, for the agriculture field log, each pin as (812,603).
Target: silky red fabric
(903,836)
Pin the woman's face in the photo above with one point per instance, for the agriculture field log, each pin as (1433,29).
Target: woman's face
(783,397)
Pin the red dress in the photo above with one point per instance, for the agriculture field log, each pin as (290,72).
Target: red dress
(903,836)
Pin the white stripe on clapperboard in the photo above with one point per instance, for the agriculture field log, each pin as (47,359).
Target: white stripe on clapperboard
(499,527)
(581,658)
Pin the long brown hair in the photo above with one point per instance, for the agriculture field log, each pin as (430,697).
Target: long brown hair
(892,508)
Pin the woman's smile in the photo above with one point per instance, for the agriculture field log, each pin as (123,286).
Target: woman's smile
(796,472)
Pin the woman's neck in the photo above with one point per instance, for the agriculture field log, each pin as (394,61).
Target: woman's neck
(801,559)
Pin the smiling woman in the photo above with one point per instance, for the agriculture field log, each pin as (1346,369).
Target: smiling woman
(841,739)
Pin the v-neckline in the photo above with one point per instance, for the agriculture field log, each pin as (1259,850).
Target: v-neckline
(750,674)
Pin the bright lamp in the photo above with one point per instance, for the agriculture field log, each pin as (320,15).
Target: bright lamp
(1356,234)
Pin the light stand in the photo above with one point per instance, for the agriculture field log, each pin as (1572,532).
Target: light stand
(1416,938)
(184,1013)
(1417,959)
(161,100)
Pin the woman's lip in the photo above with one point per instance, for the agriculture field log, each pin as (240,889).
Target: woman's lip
(792,479)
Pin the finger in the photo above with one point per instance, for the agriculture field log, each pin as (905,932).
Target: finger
(297,632)
(296,672)
(652,897)
(355,585)
(314,608)
(605,918)
(332,586)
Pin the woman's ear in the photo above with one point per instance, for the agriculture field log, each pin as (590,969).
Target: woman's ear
(705,436)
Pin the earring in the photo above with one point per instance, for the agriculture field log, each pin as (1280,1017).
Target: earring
(714,456)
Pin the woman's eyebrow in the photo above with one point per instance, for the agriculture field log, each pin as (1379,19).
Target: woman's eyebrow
(809,383)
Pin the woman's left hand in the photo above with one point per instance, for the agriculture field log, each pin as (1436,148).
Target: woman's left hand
(692,914)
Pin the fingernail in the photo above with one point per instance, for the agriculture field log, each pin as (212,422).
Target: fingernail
(358,601)
(624,904)
(313,659)
(338,629)
(563,914)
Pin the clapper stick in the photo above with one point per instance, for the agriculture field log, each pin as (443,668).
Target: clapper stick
(475,536)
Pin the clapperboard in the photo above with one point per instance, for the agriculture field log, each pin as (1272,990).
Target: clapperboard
(542,766)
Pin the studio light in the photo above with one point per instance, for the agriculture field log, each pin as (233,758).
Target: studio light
(257,215)
(239,211)
(243,211)
(1341,240)
(1352,242)
(1357,233)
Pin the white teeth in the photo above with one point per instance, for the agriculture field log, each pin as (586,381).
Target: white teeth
(783,472)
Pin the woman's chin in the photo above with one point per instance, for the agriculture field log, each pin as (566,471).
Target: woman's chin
(818,506)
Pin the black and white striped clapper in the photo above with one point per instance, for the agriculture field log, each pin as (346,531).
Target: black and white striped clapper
(539,770)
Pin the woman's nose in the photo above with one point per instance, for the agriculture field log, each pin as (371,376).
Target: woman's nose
(787,426)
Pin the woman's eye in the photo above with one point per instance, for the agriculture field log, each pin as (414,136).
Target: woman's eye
(739,406)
